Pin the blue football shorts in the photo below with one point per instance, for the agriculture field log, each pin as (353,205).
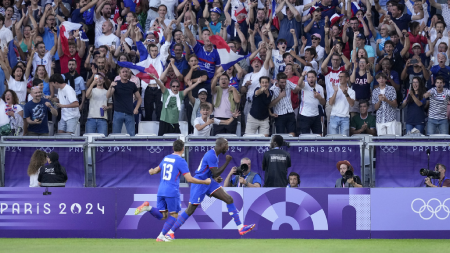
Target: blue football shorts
(198,191)
(171,204)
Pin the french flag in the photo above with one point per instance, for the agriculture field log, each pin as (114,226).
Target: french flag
(227,57)
(139,70)
(64,34)
(335,19)
(355,8)
(275,21)
(240,10)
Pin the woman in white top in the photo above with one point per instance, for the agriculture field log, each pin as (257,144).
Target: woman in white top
(14,112)
(16,82)
(38,160)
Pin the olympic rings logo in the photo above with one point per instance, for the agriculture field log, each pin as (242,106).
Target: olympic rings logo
(433,211)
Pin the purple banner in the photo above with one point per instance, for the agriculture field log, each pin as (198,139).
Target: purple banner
(277,213)
(398,166)
(127,166)
(17,160)
(83,212)
(316,165)
(410,213)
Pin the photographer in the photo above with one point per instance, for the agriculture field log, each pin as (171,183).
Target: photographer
(53,174)
(348,179)
(276,163)
(294,180)
(443,180)
(244,177)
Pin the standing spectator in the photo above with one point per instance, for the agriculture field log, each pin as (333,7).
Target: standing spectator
(361,79)
(38,159)
(342,99)
(312,96)
(276,163)
(108,38)
(5,34)
(76,52)
(16,82)
(42,57)
(385,102)
(359,42)
(102,13)
(197,102)
(99,105)
(396,59)
(75,81)
(445,10)
(442,69)
(36,114)
(364,122)
(391,75)
(415,102)
(416,69)
(14,112)
(49,30)
(292,20)
(401,19)
(226,99)
(258,118)
(437,114)
(68,103)
(202,124)
(123,92)
(315,50)
(281,101)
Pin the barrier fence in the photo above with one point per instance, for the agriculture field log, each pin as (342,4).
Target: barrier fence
(349,213)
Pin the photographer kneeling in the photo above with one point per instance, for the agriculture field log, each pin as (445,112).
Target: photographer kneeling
(439,173)
(244,177)
(348,179)
(52,174)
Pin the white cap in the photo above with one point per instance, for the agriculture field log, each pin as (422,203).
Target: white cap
(129,41)
(201,90)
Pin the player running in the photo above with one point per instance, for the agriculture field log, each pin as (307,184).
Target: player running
(209,169)
(168,200)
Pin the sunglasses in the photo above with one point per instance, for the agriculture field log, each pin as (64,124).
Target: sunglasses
(281,43)
(314,38)
(176,86)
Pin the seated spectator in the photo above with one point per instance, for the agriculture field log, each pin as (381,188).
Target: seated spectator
(437,113)
(342,182)
(36,114)
(249,179)
(341,100)
(443,180)
(363,122)
(203,124)
(416,103)
(313,96)
(258,118)
(53,174)
(99,105)
(38,159)
(14,111)
(385,103)
(294,180)
(68,102)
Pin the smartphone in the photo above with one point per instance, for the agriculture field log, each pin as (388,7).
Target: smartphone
(114,43)
(414,61)
(95,77)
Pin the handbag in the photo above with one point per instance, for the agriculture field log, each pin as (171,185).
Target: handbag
(5,130)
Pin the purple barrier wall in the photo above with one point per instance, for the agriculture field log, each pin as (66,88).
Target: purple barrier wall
(316,165)
(17,160)
(67,212)
(128,166)
(398,166)
(410,213)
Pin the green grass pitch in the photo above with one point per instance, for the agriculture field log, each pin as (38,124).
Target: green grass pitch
(221,245)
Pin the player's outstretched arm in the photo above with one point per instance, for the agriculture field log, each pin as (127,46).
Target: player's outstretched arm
(194,180)
(154,171)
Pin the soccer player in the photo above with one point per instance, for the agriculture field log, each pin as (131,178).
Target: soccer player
(168,200)
(208,169)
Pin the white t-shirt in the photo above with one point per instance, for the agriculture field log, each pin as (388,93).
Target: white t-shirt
(254,77)
(332,78)
(67,96)
(5,37)
(20,87)
(98,26)
(46,61)
(34,180)
(4,119)
(107,40)
(96,101)
(205,131)
(341,106)
(436,47)
(278,62)
(320,52)
(314,67)
(309,107)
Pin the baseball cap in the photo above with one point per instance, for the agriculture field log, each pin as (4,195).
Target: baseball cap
(416,45)
(216,10)
(338,40)
(203,90)
(314,8)
(317,35)
(256,58)
(361,36)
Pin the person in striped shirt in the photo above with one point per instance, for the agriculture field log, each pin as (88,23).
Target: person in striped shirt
(437,114)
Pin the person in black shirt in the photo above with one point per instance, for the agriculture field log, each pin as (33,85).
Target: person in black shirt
(53,174)
(341,182)
(258,118)
(123,92)
(276,163)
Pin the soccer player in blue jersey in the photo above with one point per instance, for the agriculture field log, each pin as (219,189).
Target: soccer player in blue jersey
(168,200)
(209,169)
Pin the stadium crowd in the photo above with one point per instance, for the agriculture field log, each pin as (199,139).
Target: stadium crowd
(323,67)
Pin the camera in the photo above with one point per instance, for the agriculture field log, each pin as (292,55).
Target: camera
(348,174)
(241,170)
(430,173)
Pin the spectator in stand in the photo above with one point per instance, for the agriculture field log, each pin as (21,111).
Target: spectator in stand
(396,59)
(442,70)
(102,14)
(385,103)
(350,34)
(226,100)
(75,81)
(76,52)
(68,102)
(203,124)
(5,34)
(401,19)
(14,112)
(341,101)
(444,8)
(249,179)
(416,68)
(16,82)
(361,79)
(364,122)
(38,159)
(49,32)
(197,102)
(415,102)
(36,114)
(99,105)
(258,118)
(123,92)
(107,38)
(316,50)
(392,76)
(359,42)
(42,57)
(439,41)
(437,113)
(312,96)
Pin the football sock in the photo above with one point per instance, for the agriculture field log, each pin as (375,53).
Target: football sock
(179,222)
(168,225)
(234,213)
(156,213)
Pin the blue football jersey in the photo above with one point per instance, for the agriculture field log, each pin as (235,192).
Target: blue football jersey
(209,160)
(207,61)
(172,166)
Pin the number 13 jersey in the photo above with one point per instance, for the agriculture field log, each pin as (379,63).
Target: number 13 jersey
(172,166)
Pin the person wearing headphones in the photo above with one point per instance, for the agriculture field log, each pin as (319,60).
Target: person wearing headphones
(294,180)
(52,174)
(342,182)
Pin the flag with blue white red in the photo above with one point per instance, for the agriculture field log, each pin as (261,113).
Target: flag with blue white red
(227,57)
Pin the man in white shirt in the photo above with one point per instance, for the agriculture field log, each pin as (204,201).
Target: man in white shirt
(5,34)
(342,99)
(41,57)
(108,37)
(68,102)
(312,96)
(102,13)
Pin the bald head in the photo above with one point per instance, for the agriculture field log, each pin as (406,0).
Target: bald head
(221,145)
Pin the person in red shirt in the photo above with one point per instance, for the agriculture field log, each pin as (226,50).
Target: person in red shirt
(415,36)
(289,71)
(76,51)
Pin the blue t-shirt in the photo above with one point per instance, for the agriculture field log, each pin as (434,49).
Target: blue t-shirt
(394,77)
(49,40)
(209,160)
(416,115)
(381,45)
(256,179)
(285,26)
(37,111)
(89,16)
(317,27)
(329,10)
(444,72)
(402,22)
(77,17)
(207,60)
(172,166)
